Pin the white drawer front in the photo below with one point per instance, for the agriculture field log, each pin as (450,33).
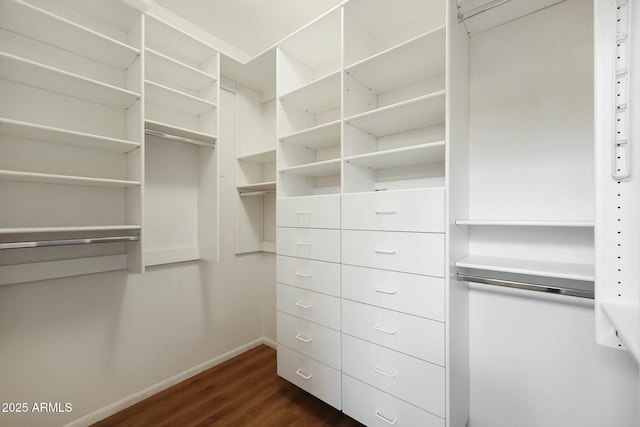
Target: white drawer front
(311,243)
(413,380)
(409,293)
(313,212)
(409,210)
(318,308)
(319,276)
(318,342)
(416,336)
(419,253)
(374,408)
(317,378)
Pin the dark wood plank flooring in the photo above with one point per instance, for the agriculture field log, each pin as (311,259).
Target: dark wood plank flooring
(242,392)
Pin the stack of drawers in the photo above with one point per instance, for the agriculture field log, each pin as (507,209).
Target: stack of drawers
(393,307)
(308,294)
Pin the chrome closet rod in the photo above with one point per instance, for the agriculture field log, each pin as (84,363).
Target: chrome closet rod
(478,10)
(526,286)
(178,138)
(68,242)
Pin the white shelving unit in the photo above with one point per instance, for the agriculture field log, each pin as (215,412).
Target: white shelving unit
(71,80)
(559,270)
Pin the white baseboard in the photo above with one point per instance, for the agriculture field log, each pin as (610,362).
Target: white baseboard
(270,343)
(132,399)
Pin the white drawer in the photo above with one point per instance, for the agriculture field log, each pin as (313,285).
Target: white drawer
(319,276)
(318,308)
(412,380)
(407,210)
(419,253)
(311,211)
(374,408)
(409,293)
(318,342)
(412,335)
(312,376)
(312,243)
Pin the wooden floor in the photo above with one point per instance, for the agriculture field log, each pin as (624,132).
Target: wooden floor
(242,392)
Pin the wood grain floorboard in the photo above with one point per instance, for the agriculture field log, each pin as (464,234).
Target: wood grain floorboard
(242,392)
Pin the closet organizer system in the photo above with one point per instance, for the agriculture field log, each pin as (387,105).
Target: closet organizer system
(108,125)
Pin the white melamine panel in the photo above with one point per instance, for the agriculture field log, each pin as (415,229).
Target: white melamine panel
(198,138)
(317,378)
(313,306)
(258,186)
(317,96)
(316,169)
(26,230)
(318,276)
(312,211)
(268,156)
(412,335)
(526,223)
(400,157)
(560,270)
(419,253)
(162,68)
(412,380)
(312,340)
(34,74)
(406,210)
(375,408)
(326,135)
(408,293)
(177,100)
(47,178)
(311,243)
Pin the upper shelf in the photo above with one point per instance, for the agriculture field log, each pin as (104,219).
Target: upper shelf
(317,169)
(268,156)
(482,15)
(322,136)
(47,178)
(427,110)
(558,270)
(317,96)
(39,24)
(52,79)
(528,223)
(259,186)
(53,135)
(185,135)
(161,67)
(176,100)
(399,157)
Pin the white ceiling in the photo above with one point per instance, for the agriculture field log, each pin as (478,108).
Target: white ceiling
(249,25)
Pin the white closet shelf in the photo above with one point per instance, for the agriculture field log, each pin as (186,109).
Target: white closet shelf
(164,68)
(32,131)
(527,223)
(169,256)
(34,74)
(47,178)
(318,169)
(176,100)
(626,321)
(259,186)
(36,230)
(398,157)
(421,57)
(39,24)
(268,156)
(164,37)
(198,138)
(322,136)
(427,110)
(558,270)
(317,96)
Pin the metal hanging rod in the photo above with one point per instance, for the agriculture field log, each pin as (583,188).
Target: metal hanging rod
(526,286)
(478,10)
(68,242)
(178,138)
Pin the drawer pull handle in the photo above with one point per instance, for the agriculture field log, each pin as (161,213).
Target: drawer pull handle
(386,374)
(301,374)
(304,243)
(386,291)
(386,331)
(303,339)
(301,305)
(385,252)
(386,212)
(303,213)
(385,419)
(303,274)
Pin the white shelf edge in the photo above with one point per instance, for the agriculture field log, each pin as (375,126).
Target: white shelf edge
(47,178)
(258,186)
(257,156)
(310,167)
(395,47)
(528,267)
(199,138)
(185,95)
(528,223)
(626,321)
(401,104)
(310,130)
(181,64)
(29,230)
(403,150)
(307,85)
(170,256)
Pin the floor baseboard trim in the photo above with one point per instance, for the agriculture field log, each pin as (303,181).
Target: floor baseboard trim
(270,343)
(134,398)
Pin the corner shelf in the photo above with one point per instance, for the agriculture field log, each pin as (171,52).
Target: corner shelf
(198,138)
(558,270)
(32,131)
(46,178)
(399,157)
(34,74)
(176,100)
(626,321)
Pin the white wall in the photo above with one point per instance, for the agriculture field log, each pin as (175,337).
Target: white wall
(533,358)
(97,339)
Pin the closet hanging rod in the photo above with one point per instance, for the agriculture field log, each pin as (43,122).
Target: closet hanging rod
(178,138)
(525,286)
(68,242)
(478,10)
